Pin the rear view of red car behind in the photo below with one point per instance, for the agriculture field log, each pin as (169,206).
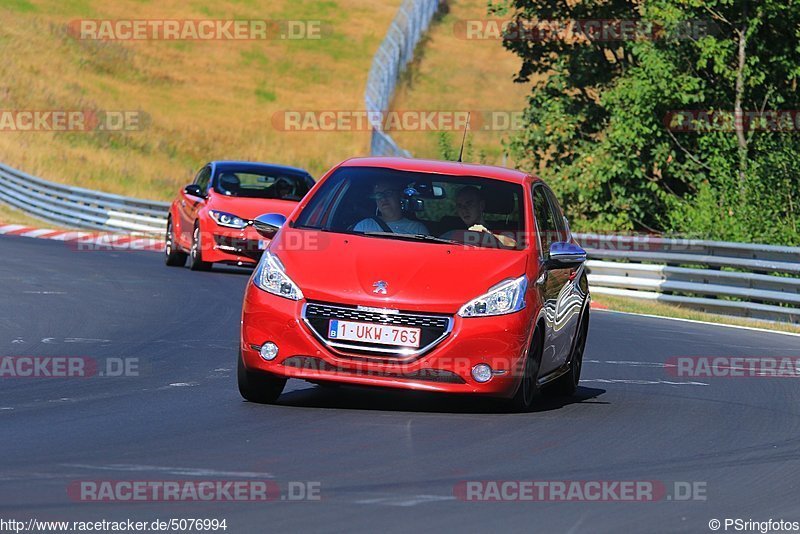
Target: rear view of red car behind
(422,275)
(211,220)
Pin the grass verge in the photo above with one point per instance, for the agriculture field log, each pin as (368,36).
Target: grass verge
(670,310)
(11,215)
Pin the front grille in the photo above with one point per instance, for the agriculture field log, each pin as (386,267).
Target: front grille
(433,329)
(425,375)
(239,246)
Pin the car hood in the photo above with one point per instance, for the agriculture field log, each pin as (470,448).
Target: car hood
(419,276)
(250,208)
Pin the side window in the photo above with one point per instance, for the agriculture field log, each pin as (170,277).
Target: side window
(544,220)
(203,177)
(558,217)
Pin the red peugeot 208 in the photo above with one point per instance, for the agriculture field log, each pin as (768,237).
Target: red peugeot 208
(211,221)
(422,275)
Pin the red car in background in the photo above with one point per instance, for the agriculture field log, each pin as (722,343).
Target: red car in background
(211,221)
(422,275)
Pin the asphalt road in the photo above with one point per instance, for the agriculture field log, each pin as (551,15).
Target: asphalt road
(384,461)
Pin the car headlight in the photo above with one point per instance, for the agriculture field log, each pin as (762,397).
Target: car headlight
(227,219)
(506,297)
(271,276)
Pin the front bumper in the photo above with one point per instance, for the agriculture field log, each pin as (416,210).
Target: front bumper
(499,341)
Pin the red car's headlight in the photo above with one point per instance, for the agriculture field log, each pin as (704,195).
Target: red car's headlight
(271,277)
(227,219)
(506,297)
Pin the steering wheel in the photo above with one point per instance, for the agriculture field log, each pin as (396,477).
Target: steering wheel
(469,237)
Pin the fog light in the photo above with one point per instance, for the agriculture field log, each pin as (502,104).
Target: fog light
(269,351)
(482,373)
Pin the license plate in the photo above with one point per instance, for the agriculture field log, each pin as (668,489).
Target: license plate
(262,245)
(400,336)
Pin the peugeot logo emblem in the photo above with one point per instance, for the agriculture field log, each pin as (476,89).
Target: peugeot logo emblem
(380,287)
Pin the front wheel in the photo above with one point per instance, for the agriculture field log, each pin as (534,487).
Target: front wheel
(261,388)
(528,391)
(172,255)
(196,262)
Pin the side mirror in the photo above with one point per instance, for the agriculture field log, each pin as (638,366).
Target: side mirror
(267,225)
(565,255)
(194,190)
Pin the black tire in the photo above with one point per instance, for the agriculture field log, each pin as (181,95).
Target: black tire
(261,388)
(567,384)
(196,262)
(173,256)
(529,392)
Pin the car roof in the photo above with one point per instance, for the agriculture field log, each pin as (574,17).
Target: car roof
(223,165)
(452,168)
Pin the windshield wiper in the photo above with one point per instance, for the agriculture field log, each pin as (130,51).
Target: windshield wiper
(418,237)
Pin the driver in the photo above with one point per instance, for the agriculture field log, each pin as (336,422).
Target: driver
(470,206)
(390,215)
(229,183)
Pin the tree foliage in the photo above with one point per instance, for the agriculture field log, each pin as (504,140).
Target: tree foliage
(602,122)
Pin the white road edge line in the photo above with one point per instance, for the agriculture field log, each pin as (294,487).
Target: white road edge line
(641,382)
(185,471)
(753,328)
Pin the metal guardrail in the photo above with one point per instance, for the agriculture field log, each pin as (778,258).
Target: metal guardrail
(78,207)
(760,281)
(394,53)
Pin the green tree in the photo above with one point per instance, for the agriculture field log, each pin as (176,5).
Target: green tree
(601,125)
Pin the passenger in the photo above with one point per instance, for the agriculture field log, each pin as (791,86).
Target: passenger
(390,216)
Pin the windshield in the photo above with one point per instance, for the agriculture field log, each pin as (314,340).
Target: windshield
(391,204)
(262,183)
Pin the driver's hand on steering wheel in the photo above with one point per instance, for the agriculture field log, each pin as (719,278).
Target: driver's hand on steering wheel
(504,240)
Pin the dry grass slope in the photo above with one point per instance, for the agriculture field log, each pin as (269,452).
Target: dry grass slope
(203,100)
(453,73)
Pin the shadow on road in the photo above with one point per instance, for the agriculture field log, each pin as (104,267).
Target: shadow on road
(363,398)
